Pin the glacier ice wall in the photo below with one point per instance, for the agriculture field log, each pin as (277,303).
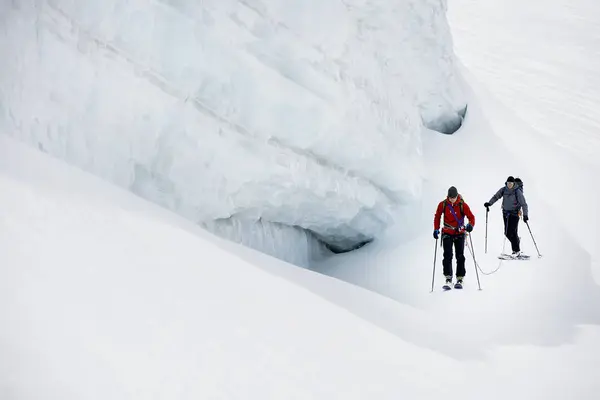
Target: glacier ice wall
(304,114)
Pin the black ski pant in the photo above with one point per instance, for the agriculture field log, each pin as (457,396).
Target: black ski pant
(458,241)
(511,226)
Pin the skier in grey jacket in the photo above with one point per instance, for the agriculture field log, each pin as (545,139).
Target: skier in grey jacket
(513,201)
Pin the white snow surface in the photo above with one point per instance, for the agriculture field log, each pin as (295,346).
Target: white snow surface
(106,296)
(304,115)
(535,65)
(541,59)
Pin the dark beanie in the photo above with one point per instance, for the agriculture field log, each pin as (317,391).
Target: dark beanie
(452,192)
(510,179)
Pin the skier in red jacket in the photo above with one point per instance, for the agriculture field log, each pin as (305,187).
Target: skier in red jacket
(454,210)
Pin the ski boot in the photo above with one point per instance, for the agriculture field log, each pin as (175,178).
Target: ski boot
(448,284)
(459,283)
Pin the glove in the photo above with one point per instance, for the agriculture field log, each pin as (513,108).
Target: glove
(526,218)
(436,234)
(486,205)
(469,227)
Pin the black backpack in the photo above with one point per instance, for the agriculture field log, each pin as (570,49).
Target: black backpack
(519,183)
(460,204)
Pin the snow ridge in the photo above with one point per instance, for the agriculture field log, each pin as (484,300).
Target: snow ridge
(306,115)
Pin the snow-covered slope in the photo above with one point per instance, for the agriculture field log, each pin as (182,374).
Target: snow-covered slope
(105,296)
(541,59)
(303,115)
(535,65)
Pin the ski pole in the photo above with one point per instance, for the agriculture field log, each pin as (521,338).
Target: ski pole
(539,255)
(474,262)
(434,259)
(487,211)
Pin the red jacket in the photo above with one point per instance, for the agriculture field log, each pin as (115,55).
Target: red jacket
(450,223)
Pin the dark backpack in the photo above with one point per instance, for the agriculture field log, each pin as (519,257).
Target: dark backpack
(460,204)
(519,184)
(462,213)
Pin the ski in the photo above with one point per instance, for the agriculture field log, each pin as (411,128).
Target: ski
(510,257)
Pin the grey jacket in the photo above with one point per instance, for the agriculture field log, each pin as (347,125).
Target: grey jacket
(512,200)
